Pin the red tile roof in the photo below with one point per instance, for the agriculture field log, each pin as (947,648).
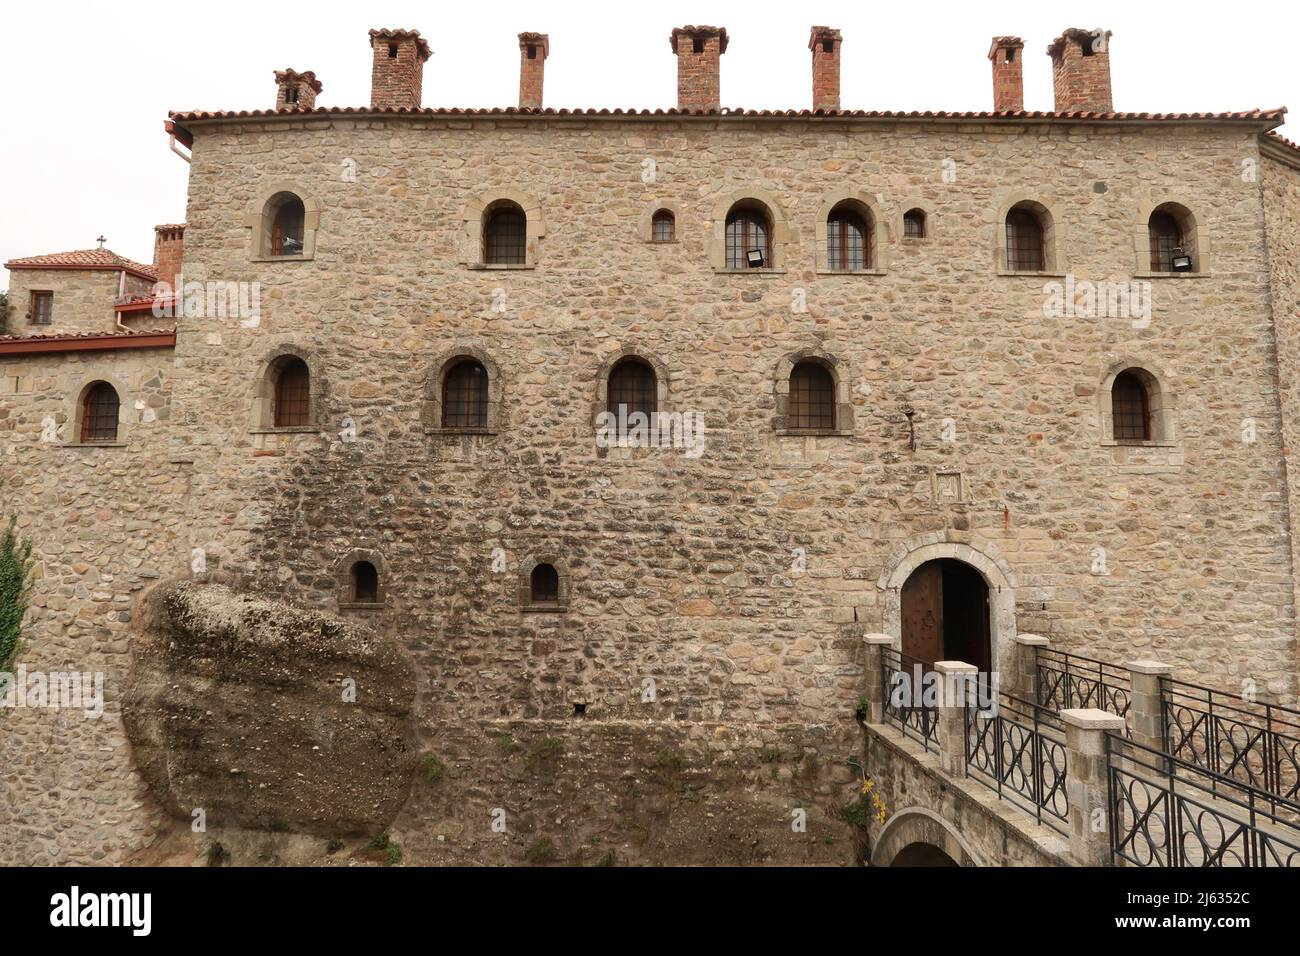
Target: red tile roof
(89,259)
(421,43)
(87,341)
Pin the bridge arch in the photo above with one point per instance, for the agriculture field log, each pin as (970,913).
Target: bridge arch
(920,837)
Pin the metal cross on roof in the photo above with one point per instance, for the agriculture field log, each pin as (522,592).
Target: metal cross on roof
(101,240)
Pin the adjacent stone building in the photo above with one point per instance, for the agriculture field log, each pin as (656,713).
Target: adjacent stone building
(959,375)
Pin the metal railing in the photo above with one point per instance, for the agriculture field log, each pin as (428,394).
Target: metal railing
(1019,752)
(1167,812)
(918,722)
(1072,680)
(1254,744)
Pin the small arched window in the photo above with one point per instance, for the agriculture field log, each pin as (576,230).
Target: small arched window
(365,583)
(848,239)
(1130,408)
(287,225)
(505,234)
(465,395)
(99,413)
(544,585)
(1172,233)
(632,385)
(749,236)
(914,224)
(1025,251)
(292,394)
(812,397)
(663,226)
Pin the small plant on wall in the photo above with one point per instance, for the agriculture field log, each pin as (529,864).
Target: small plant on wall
(4,312)
(15,590)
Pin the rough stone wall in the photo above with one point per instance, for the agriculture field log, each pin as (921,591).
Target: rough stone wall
(83,300)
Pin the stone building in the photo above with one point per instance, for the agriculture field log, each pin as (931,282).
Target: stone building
(945,376)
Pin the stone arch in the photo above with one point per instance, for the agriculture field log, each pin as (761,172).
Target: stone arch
(781,233)
(431,408)
(1162,402)
(259,219)
(75,410)
(1181,208)
(920,825)
(880,225)
(262,413)
(629,351)
(840,375)
(984,557)
(1054,259)
(524,596)
(645,229)
(343,577)
(473,219)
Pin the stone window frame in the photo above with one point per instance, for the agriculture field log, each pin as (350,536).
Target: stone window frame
(601,401)
(524,586)
(1055,264)
(905,205)
(344,590)
(840,377)
(75,413)
(780,241)
(259,220)
(869,208)
(1180,207)
(262,412)
(1162,404)
(431,408)
(474,222)
(645,227)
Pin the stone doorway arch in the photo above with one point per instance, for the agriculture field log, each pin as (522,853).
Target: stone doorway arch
(917,825)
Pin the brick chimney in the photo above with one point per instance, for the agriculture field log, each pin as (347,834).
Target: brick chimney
(294,90)
(699,66)
(1007,56)
(168,246)
(825,46)
(398,72)
(534,48)
(1081,71)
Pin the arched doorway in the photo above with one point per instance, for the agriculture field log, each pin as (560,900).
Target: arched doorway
(922,854)
(946,614)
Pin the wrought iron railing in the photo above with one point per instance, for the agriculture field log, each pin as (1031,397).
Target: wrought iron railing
(1072,680)
(903,709)
(1254,744)
(1018,750)
(1167,812)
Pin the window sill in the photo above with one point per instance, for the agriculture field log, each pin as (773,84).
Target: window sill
(543,609)
(285,430)
(1112,443)
(1172,275)
(850,272)
(502,266)
(662,242)
(452,432)
(914,240)
(1031,275)
(813,433)
(302,258)
(750,272)
(362,605)
(94,444)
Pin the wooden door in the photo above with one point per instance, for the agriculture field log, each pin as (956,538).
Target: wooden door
(922,600)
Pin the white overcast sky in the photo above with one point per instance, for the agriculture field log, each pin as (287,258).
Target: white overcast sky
(85,86)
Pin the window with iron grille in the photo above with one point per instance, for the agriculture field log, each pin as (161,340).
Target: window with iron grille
(1130,411)
(748,228)
(505,235)
(465,396)
(848,241)
(365,583)
(914,224)
(287,228)
(663,226)
(1166,236)
(293,394)
(632,384)
(1024,241)
(42,308)
(812,397)
(99,413)
(544,585)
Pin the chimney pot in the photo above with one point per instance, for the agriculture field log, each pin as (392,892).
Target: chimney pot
(825,45)
(294,90)
(1008,74)
(534,48)
(397,73)
(699,51)
(1081,71)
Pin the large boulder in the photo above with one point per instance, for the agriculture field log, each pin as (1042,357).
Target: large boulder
(239,706)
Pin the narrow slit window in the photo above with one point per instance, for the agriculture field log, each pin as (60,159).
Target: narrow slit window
(1130,408)
(365,583)
(292,394)
(1024,241)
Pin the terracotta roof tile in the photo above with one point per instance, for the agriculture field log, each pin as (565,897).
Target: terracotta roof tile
(421,43)
(74,336)
(84,259)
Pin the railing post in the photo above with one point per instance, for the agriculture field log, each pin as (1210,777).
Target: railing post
(1146,709)
(1025,679)
(1087,782)
(874,673)
(951,732)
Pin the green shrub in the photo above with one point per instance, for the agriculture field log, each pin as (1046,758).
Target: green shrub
(15,590)
(541,850)
(432,768)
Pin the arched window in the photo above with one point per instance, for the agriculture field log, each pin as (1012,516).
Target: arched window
(465,395)
(632,384)
(544,585)
(505,234)
(1130,408)
(287,224)
(365,583)
(1025,251)
(914,224)
(292,393)
(663,227)
(848,239)
(749,236)
(812,397)
(99,413)
(1172,233)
